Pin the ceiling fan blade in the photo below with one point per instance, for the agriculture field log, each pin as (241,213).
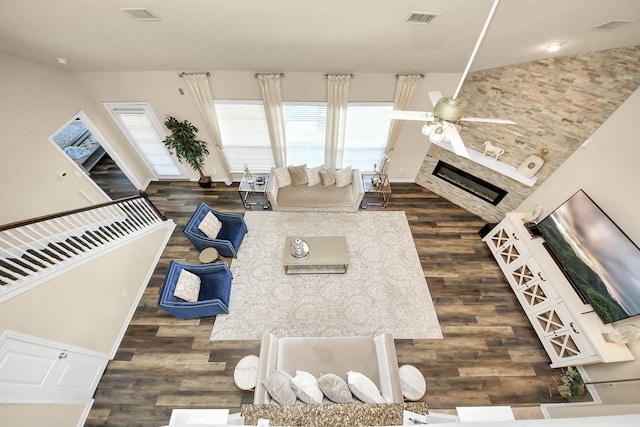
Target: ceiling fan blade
(422,116)
(435,96)
(484,120)
(456,142)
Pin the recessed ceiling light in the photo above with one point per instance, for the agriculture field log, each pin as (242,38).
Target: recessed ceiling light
(62,61)
(555,46)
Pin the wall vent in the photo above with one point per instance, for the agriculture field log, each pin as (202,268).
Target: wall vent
(612,25)
(140,14)
(420,17)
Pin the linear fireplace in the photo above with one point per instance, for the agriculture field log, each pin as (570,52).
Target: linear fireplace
(469,183)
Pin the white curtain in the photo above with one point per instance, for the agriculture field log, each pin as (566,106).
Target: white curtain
(272,99)
(405,86)
(337,100)
(201,91)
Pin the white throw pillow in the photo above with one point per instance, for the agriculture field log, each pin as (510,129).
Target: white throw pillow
(210,225)
(278,385)
(306,387)
(187,287)
(363,388)
(313,175)
(343,177)
(283,178)
(335,388)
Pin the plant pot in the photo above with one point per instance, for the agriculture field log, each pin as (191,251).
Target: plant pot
(205,182)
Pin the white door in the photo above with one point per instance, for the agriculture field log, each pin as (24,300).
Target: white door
(31,370)
(144,132)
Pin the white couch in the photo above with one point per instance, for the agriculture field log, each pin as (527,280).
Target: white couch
(317,197)
(374,357)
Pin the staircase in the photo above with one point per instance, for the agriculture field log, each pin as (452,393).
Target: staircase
(32,250)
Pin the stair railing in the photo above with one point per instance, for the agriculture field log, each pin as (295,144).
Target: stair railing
(39,246)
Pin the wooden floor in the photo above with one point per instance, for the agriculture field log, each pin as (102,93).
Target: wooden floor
(489,355)
(111,180)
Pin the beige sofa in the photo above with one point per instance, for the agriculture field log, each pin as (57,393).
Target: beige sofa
(316,198)
(374,357)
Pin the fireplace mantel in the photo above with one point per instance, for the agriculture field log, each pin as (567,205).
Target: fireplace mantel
(493,164)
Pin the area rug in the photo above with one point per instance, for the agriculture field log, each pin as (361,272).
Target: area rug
(383,290)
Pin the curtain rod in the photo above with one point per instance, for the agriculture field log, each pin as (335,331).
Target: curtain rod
(421,75)
(191,74)
(265,74)
(350,75)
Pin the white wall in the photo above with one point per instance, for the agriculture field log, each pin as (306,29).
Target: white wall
(36,101)
(161,90)
(90,305)
(607,169)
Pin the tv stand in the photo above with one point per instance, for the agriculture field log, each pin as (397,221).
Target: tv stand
(570,331)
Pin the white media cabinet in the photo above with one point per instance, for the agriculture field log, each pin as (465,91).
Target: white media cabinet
(570,331)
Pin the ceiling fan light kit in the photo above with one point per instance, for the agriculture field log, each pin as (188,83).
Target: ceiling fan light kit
(440,124)
(449,109)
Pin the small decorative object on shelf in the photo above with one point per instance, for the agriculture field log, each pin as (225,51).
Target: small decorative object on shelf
(376,178)
(492,150)
(532,164)
(299,248)
(247,175)
(624,334)
(533,215)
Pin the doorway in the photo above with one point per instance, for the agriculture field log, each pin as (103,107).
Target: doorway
(82,145)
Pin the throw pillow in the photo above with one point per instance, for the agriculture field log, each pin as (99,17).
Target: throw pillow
(343,177)
(363,388)
(210,225)
(282,177)
(313,175)
(335,388)
(187,287)
(328,177)
(306,387)
(278,385)
(298,174)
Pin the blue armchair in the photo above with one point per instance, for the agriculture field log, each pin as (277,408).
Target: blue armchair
(215,289)
(229,238)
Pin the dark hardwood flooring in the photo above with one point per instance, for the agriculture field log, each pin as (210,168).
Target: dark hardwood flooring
(111,179)
(490,355)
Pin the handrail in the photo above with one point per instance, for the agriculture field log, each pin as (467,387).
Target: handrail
(141,195)
(32,250)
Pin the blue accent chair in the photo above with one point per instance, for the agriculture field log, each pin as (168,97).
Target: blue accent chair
(215,289)
(228,240)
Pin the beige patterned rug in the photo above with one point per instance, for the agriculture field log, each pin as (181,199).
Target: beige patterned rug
(384,289)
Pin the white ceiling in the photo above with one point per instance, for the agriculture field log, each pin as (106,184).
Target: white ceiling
(305,35)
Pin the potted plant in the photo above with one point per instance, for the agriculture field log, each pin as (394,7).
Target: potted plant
(572,384)
(184,142)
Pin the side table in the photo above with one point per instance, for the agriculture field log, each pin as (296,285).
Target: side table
(209,255)
(412,382)
(245,374)
(253,191)
(381,189)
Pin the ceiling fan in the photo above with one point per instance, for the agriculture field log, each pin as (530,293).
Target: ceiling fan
(440,123)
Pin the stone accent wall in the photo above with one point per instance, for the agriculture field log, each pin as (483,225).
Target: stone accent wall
(557,104)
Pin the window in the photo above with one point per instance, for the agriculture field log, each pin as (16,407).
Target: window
(366,134)
(305,132)
(245,134)
(141,127)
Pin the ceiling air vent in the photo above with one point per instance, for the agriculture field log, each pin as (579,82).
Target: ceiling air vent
(420,17)
(612,25)
(140,14)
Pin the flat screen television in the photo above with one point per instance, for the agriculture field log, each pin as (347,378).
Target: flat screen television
(599,260)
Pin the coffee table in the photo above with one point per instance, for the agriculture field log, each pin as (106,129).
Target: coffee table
(327,255)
